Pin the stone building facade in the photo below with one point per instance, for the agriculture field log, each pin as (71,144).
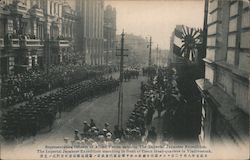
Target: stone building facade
(109,34)
(90,30)
(225,87)
(32,33)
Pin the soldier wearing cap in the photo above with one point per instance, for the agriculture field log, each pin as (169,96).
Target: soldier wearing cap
(152,135)
(92,123)
(66,141)
(117,133)
(86,127)
(106,126)
(76,136)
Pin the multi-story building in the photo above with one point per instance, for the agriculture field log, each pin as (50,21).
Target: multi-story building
(225,87)
(160,56)
(136,48)
(20,42)
(90,31)
(69,35)
(109,33)
(32,33)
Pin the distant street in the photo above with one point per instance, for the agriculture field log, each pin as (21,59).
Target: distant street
(102,109)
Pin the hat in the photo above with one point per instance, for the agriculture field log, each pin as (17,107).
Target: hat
(100,136)
(84,122)
(66,138)
(117,140)
(106,124)
(108,135)
(91,140)
(104,130)
(133,130)
(76,130)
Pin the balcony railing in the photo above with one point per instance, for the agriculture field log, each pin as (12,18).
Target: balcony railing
(38,12)
(15,43)
(1,42)
(26,43)
(20,7)
(63,43)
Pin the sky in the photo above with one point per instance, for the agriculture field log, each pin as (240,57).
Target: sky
(157,18)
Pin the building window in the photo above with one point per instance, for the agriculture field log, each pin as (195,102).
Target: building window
(58,10)
(54,8)
(63,31)
(233,43)
(244,51)
(38,3)
(10,26)
(40,31)
(50,7)
(234,9)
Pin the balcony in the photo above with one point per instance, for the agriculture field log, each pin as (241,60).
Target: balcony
(37,12)
(20,7)
(1,42)
(15,43)
(31,43)
(63,43)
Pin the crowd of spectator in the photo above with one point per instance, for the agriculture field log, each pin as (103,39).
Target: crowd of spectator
(155,97)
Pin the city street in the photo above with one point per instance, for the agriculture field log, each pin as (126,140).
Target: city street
(102,109)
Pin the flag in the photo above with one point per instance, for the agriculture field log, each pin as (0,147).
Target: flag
(177,41)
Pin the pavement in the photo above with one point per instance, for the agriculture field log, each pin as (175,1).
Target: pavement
(102,109)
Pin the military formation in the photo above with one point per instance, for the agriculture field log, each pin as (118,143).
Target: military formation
(40,112)
(130,74)
(149,71)
(159,94)
(24,86)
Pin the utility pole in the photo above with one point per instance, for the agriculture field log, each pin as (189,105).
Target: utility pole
(149,55)
(157,55)
(0,83)
(47,53)
(157,58)
(120,99)
(114,51)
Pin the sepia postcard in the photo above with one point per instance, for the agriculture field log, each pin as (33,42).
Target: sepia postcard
(124,79)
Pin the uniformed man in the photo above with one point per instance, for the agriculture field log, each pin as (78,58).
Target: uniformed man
(92,123)
(76,136)
(152,135)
